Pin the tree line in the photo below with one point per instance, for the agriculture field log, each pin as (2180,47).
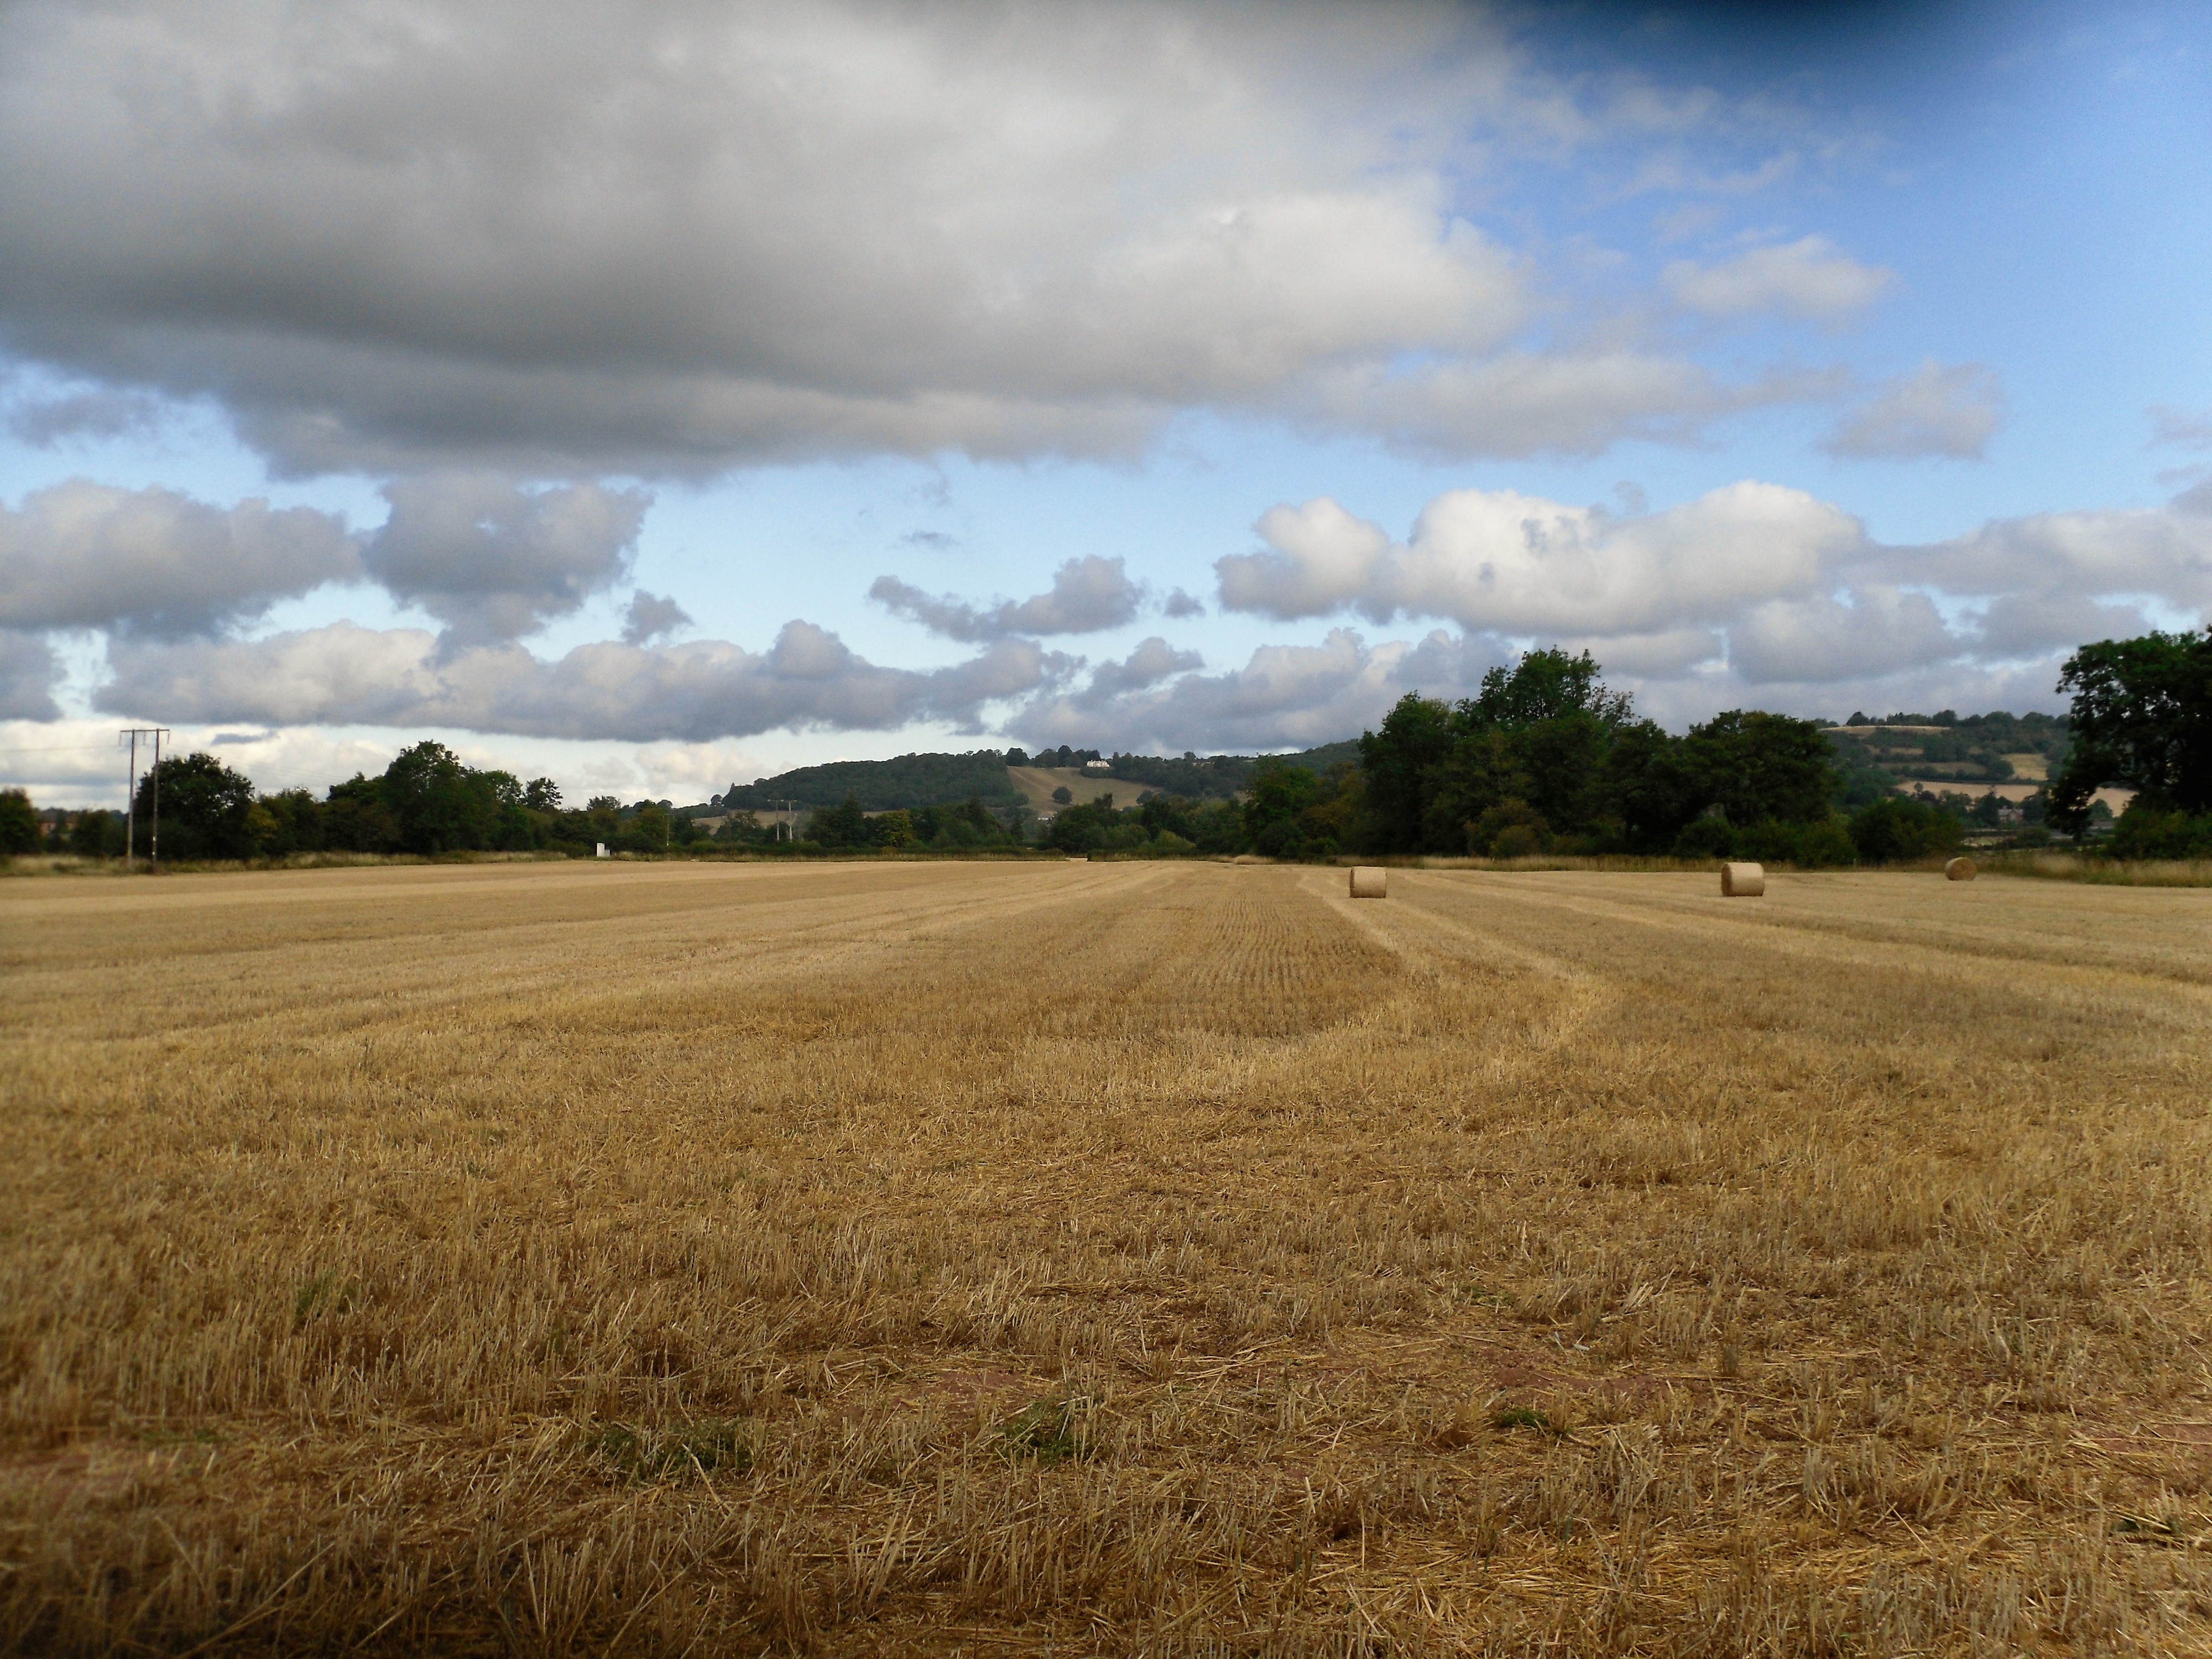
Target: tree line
(1544,759)
(427,801)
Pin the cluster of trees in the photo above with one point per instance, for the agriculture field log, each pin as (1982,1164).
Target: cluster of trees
(936,829)
(428,800)
(1546,758)
(1220,777)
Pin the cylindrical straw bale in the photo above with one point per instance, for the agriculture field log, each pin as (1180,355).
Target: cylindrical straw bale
(1742,880)
(1958,870)
(1369,881)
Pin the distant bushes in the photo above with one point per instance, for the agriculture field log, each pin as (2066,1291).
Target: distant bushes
(18,822)
(848,826)
(1897,831)
(2144,832)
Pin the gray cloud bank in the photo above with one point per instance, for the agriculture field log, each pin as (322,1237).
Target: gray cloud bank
(1087,595)
(490,560)
(82,555)
(345,675)
(562,239)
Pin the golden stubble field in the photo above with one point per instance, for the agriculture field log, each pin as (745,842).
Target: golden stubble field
(1071,1258)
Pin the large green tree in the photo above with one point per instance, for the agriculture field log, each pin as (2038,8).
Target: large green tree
(203,805)
(2141,721)
(1395,758)
(444,805)
(18,822)
(1756,767)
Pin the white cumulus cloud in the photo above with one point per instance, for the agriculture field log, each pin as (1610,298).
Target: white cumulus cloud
(1499,560)
(1937,410)
(1808,278)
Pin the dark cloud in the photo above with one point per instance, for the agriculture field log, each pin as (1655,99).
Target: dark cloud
(493,560)
(559,238)
(1087,595)
(96,414)
(1153,660)
(1877,631)
(27,677)
(1179,604)
(82,554)
(345,675)
(650,618)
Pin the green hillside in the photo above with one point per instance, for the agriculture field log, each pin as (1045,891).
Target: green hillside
(1218,777)
(909,780)
(918,780)
(1975,750)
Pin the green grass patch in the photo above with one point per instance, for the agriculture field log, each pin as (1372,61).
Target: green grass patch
(325,1293)
(1049,1431)
(1527,1417)
(678,1453)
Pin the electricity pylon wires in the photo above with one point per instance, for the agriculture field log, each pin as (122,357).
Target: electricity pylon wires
(132,733)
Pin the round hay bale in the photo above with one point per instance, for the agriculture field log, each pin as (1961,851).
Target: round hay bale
(1369,881)
(1742,880)
(1958,870)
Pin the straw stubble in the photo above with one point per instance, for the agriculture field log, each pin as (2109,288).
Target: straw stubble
(1130,1257)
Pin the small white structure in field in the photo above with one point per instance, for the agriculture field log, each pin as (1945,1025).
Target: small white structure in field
(602,846)
(1742,880)
(1098,766)
(1958,870)
(1369,881)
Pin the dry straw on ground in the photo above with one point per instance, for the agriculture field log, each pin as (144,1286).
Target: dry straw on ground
(1369,881)
(1160,1258)
(1958,869)
(1743,881)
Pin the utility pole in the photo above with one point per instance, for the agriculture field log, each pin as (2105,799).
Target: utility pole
(131,790)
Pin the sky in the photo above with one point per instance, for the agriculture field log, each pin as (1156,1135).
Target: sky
(658,397)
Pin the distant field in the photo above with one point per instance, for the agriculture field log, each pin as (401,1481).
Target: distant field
(1036,784)
(1074,1258)
(2117,799)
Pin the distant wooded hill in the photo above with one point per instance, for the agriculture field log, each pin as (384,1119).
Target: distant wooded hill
(1975,749)
(1874,753)
(919,780)
(1220,777)
(910,780)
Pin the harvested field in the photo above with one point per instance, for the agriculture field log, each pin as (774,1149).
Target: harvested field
(669,1258)
(1036,784)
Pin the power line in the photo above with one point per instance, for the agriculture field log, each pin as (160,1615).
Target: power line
(131,797)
